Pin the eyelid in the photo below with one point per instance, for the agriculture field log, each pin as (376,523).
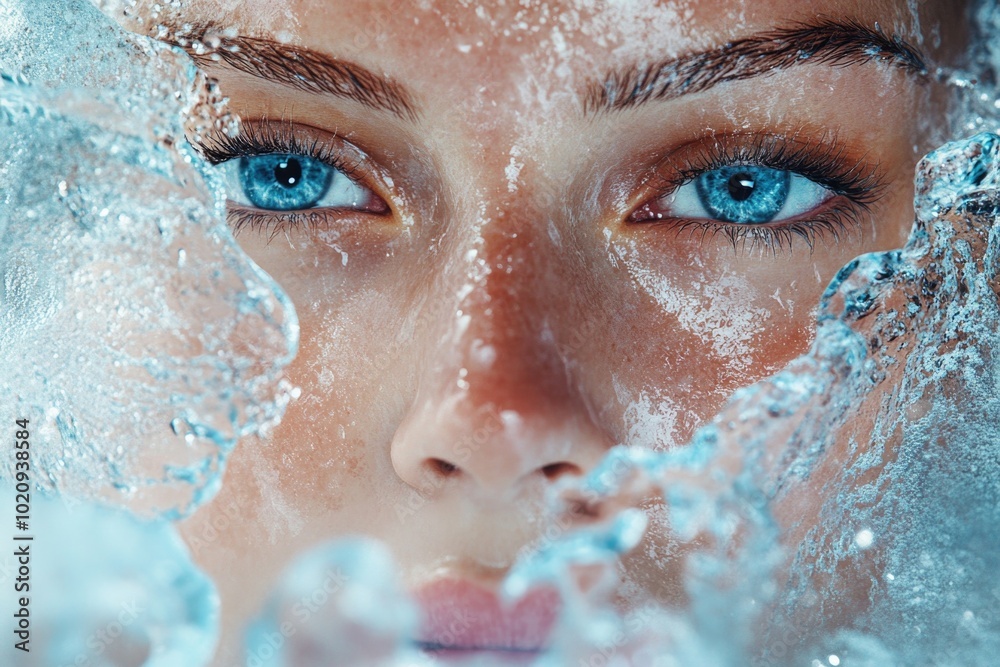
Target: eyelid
(263,136)
(855,179)
(826,161)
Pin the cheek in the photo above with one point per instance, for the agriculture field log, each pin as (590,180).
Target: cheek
(705,320)
(702,329)
(330,436)
(709,341)
(333,438)
(721,316)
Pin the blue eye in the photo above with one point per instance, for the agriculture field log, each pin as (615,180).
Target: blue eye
(290,182)
(284,182)
(745,195)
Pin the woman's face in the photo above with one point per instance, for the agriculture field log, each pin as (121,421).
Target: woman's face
(518,234)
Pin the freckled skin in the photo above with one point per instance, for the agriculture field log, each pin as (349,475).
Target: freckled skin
(509,234)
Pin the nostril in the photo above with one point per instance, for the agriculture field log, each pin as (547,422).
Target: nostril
(442,467)
(556,470)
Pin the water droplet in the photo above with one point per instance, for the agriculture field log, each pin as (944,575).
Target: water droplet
(864,538)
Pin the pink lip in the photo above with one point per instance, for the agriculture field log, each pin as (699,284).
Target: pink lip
(461,616)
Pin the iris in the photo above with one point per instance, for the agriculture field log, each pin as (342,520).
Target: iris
(744,194)
(281,182)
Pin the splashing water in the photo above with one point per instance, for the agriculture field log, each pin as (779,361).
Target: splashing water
(341,605)
(131,325)
(842,512)
(128,596)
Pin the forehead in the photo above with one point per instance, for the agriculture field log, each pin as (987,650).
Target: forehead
(513,34)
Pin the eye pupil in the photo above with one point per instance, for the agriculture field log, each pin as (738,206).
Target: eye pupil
(741,186)
(288,172)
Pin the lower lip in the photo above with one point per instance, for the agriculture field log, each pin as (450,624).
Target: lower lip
(462,620)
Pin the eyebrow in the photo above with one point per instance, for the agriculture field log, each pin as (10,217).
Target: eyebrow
(297,67)
(828,42)
(837,43)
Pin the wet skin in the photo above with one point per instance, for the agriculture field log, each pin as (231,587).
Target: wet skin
(517,295)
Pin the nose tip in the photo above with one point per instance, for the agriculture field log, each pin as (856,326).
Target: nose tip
(502,454)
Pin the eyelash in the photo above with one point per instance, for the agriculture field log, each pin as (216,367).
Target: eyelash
(860,181)
(263,138)
(825,162)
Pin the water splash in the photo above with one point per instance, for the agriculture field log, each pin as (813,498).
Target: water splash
(132,327)
(845,508)
(340,605)
(129,596)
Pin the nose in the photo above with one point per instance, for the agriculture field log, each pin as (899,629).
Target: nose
(492,449)
(498,409)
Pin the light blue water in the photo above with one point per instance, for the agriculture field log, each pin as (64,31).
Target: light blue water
(122,288)
(122,292)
